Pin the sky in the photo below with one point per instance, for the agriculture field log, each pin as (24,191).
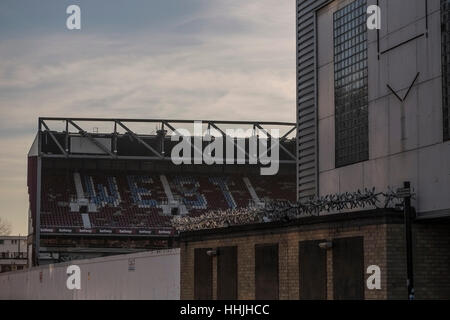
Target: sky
(194,59)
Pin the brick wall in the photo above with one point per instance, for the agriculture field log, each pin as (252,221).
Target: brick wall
(396,262)
(432,260)
(288,239)
(383,246)
(431,253)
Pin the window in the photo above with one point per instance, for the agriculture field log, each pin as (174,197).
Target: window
(2,241)
(445,20)
(350,84)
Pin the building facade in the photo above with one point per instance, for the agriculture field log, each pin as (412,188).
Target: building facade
(372,114)
(373,104)
(318,258)
(13,253)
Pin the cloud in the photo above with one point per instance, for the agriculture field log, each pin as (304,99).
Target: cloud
(230,60)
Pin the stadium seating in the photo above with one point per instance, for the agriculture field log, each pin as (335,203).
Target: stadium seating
(272,188)
(56,193)
(136,199)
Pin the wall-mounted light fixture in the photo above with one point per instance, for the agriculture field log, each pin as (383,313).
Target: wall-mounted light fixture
(326,245)
(211,253)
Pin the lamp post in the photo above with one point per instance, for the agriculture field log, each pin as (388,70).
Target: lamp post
(406,193)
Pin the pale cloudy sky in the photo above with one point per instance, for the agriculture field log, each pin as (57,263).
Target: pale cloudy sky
(196,59)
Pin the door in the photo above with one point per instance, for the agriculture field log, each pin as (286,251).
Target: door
(348,268)
(266,272)
(202,274)
(312,271)
(227,273)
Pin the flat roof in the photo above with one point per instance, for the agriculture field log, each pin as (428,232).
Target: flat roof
(359,218)
(13,237)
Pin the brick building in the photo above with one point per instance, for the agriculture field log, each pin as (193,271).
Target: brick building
(372,113)
(315,258)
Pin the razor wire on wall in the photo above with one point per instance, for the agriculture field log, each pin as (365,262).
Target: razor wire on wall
(274,211)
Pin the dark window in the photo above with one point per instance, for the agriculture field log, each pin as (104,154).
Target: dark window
(266,272)
(202,274)
(6,268)
(445,20)
(348,268)
(350,84)
(312,262)
(227,273)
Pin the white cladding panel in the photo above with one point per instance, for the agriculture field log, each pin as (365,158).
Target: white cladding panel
(156,276)
(405,138)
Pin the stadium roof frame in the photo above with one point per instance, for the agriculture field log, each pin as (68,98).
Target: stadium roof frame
(164,124)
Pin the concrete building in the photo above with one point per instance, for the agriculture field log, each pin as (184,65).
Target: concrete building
(373,104)
(316,258)
(13,253)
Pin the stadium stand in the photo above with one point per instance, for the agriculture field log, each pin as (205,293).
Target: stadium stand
(137,200)
(100,187)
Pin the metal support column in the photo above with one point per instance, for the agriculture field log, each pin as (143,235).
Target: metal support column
(408,240)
